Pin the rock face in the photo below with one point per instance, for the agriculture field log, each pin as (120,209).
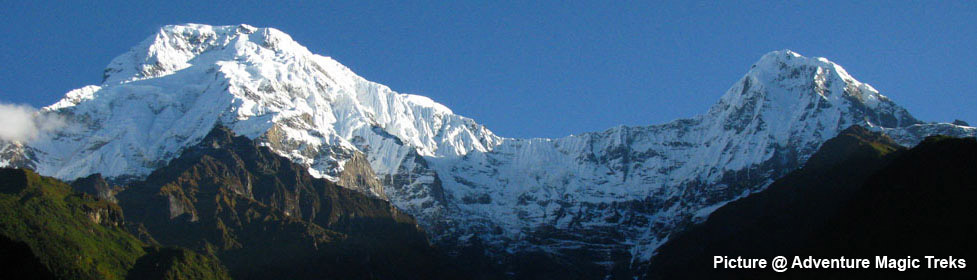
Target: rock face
(598,202)
(267,218)
(358,175)
(15,154)
(97,186)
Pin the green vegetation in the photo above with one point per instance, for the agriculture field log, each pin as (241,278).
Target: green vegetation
(59,226)
(176,263)
(76,236)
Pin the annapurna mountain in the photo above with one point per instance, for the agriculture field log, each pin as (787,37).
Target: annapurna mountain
(602,201)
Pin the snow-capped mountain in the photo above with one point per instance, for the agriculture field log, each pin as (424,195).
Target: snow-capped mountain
(610,196)
(628,188)
(169,90)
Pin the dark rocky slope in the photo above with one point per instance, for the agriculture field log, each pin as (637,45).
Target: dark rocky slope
(860,195)
(266,217)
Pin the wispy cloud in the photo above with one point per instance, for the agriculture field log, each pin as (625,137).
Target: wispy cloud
(25,123)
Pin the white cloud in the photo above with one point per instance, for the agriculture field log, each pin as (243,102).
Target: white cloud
(24,123)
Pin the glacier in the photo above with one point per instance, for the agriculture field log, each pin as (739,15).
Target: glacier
(611,196)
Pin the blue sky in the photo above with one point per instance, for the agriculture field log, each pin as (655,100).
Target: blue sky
(537,69)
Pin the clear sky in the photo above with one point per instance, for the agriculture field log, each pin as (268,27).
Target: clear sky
(536,69)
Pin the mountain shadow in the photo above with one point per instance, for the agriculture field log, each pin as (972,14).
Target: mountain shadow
(860,195)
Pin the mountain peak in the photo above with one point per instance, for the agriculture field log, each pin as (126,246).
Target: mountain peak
(786,86)
(784,54)
(778,61)
(174,47)
(168,91)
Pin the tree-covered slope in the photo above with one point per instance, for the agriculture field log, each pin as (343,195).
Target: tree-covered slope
(62,234)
